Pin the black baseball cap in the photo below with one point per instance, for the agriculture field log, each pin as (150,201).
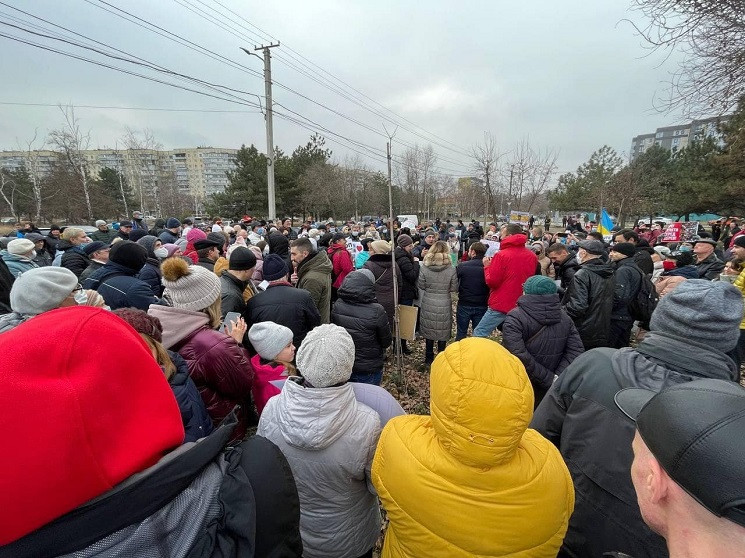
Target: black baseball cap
(694,430)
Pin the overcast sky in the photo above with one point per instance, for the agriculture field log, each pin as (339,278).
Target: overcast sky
(568,75)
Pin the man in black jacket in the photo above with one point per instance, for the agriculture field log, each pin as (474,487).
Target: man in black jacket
(642,257)
(589,298)
(235,279)
(690,331)
(282,303)
(473,292)
(409,267)
(708,265)
(628,278)
(565,263)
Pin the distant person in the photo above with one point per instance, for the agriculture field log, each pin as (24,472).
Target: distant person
(313,273)
(383,268)
(437,281)
(409,268)
(104,233)
(473,292)
(565,265)
(709,266)
(70,252)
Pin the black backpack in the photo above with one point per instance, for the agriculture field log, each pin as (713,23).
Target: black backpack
(642,306)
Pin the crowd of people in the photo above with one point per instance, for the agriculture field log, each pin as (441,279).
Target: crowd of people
(139,360)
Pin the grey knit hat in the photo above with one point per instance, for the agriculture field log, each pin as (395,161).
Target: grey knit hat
(20,246)
(41,289)
(709,312)
(269,338)
(326,356)
(190,287)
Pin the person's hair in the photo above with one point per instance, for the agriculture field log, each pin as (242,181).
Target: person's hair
(303,244)
(439,247)
(513,228)
(683,259)
(596,235)
(71,232)
(204,252)
(539,230)
(556,247)
(214,313)
(161,355)
(478,248)
(627,234)
(737,264)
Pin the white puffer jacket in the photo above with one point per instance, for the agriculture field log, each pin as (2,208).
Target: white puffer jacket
(329,440)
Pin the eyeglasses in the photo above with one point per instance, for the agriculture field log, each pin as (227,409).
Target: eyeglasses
(77,289)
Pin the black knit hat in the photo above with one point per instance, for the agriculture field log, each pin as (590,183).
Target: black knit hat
(129,254)
(625,248)
(241,258)
(137,234)
(93,247)
(274,268)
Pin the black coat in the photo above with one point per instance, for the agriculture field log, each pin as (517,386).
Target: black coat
(589,302)
(150,274)
(565,272)
(280,245)
(710,268)
(543,337)
(231,292)
(73,257)
(90,270)
(6,283)
(380,265)
(628,278)
(643,260)
(472,288)
(120,288)
(197,422)
(283,304)
(221,500)
(357,311)
(407,290)
(579,416)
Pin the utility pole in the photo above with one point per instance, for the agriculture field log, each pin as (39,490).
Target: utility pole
(509,194)
(272,214)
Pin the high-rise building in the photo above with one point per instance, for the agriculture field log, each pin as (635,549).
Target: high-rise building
(674,138)
(197,171)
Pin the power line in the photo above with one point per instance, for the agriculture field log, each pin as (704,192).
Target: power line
(112,107)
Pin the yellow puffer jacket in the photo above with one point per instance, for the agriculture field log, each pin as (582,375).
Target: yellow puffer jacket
(471,480)
(740,284)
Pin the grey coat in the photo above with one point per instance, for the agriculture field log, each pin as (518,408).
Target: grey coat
(329,440)
(435,283)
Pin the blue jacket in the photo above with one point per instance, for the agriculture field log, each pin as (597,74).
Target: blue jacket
(16,264)
(150,274)
(167,237)
(197,423)
(120,288)
(472,288)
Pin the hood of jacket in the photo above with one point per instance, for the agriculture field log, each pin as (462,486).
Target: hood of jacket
(178,324)
(545,309)
(314,418)
(278,244)
(665,359)
(513,241)
(481,402)
(597,266)
(687,271)
(357,288)
(331,250)
(8,257)
(318,262)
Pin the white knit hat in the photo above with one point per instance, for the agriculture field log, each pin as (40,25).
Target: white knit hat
(269,338)
(326,356)
(189,287)
(20,246)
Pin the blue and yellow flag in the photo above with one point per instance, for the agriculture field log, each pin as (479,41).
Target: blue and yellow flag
(606,224)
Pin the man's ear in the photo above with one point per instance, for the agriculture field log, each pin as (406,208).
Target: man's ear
(656,481)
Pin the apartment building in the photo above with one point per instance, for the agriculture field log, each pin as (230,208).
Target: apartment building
(674,138)
(198,171)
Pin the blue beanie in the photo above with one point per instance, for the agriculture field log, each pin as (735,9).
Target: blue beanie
(274,268)
(539,285)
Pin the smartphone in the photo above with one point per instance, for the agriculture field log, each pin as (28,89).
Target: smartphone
(229,318)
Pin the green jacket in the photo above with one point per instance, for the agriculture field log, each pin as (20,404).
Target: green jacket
(102,236)
(314,275)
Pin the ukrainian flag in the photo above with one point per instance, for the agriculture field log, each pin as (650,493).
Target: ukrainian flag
(606,224)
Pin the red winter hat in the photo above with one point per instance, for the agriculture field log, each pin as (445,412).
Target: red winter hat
(87,407)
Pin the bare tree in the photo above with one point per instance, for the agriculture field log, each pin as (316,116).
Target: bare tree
(71,141)
(487,156)
(711,35)
(8,193)
(142,161)
(530,172)
(34,167)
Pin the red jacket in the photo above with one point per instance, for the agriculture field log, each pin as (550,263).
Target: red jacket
(509,269)
(262,389)
(342,263)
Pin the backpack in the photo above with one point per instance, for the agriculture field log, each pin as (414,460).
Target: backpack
(642,306)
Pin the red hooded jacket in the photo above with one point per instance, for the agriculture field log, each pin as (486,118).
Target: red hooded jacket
(342,263)
(509,269)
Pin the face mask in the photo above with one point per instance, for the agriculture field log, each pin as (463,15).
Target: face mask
(161,253)
(355,234)
(260,231)
(80,297)
(668,265)
(685,248)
